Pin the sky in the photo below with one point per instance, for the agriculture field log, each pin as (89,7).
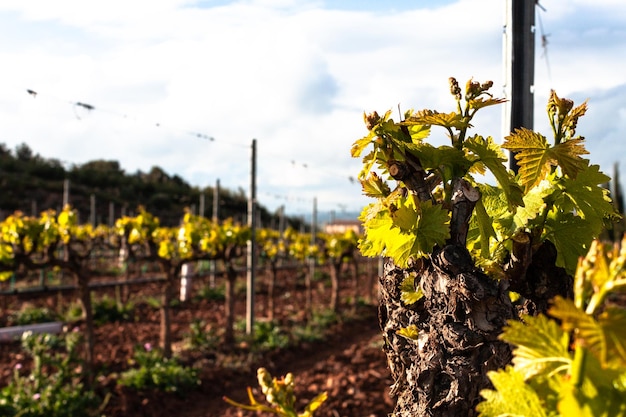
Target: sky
(187,85)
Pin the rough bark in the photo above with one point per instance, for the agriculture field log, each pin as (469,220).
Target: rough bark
(84,294)
(270,289)
(542,280)
(458,319)
(229,304)
(166,325)
(355,282)
(335,271)
(308,289)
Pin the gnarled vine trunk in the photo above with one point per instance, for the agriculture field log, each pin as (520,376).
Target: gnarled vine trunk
(229,304)
(84,296)
(165,331)
(335,271)
(271,285)
(458,319)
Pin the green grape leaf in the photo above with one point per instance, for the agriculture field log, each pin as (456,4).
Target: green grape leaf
(361,144)
(534,203)
(404,234)
(369,161)
(480,102)
(571,116)
(604,337)
(432,157)
(481,230)
(612,321)
(588,196)
(532,152)
(419,132)
(587,328)
(409,293)
(375,186)
(431,117)
(391,132)
(491,155)
(571,235)
(541,346)
(567,155)
(432,227)
(405,217)
(511,397)
(374,217)
(401,246)
(491,217)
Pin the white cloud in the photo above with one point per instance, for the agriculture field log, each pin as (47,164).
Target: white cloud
(296,75)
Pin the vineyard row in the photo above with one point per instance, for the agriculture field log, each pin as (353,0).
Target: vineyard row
(56,242)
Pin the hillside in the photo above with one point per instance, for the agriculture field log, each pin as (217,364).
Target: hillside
(32,183)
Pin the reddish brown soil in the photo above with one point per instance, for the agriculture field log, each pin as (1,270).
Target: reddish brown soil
(349,364)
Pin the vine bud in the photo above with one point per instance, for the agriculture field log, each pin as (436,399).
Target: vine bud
(371,120)
(455,90)
(265,379)
(472,89)
(289,380)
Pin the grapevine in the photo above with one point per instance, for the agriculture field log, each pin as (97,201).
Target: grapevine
(558,196)
(465,235)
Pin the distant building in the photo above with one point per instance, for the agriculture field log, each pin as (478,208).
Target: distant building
(341,226)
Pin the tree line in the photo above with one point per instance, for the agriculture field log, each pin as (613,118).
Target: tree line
(32,183)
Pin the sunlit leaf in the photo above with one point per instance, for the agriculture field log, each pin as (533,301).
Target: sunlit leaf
(431,117)
(375,186)
(567,154)
(612,321)
(541,346)
(589,197)
(511,397)
(406,235)
(445,158)
(481,229)
(571,235)
(604,337)
(361,144)
(480,102)
(532,153)
(534,203)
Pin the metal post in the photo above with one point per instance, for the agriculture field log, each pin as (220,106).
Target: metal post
(312,261)
(66,192)
(281,220)
(251,258)
(186,273)
(111,214)
(216,199)
(519,64)
(201,209)
(215,218)
(92,210)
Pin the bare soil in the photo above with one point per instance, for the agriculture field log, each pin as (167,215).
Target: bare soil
(348,364)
